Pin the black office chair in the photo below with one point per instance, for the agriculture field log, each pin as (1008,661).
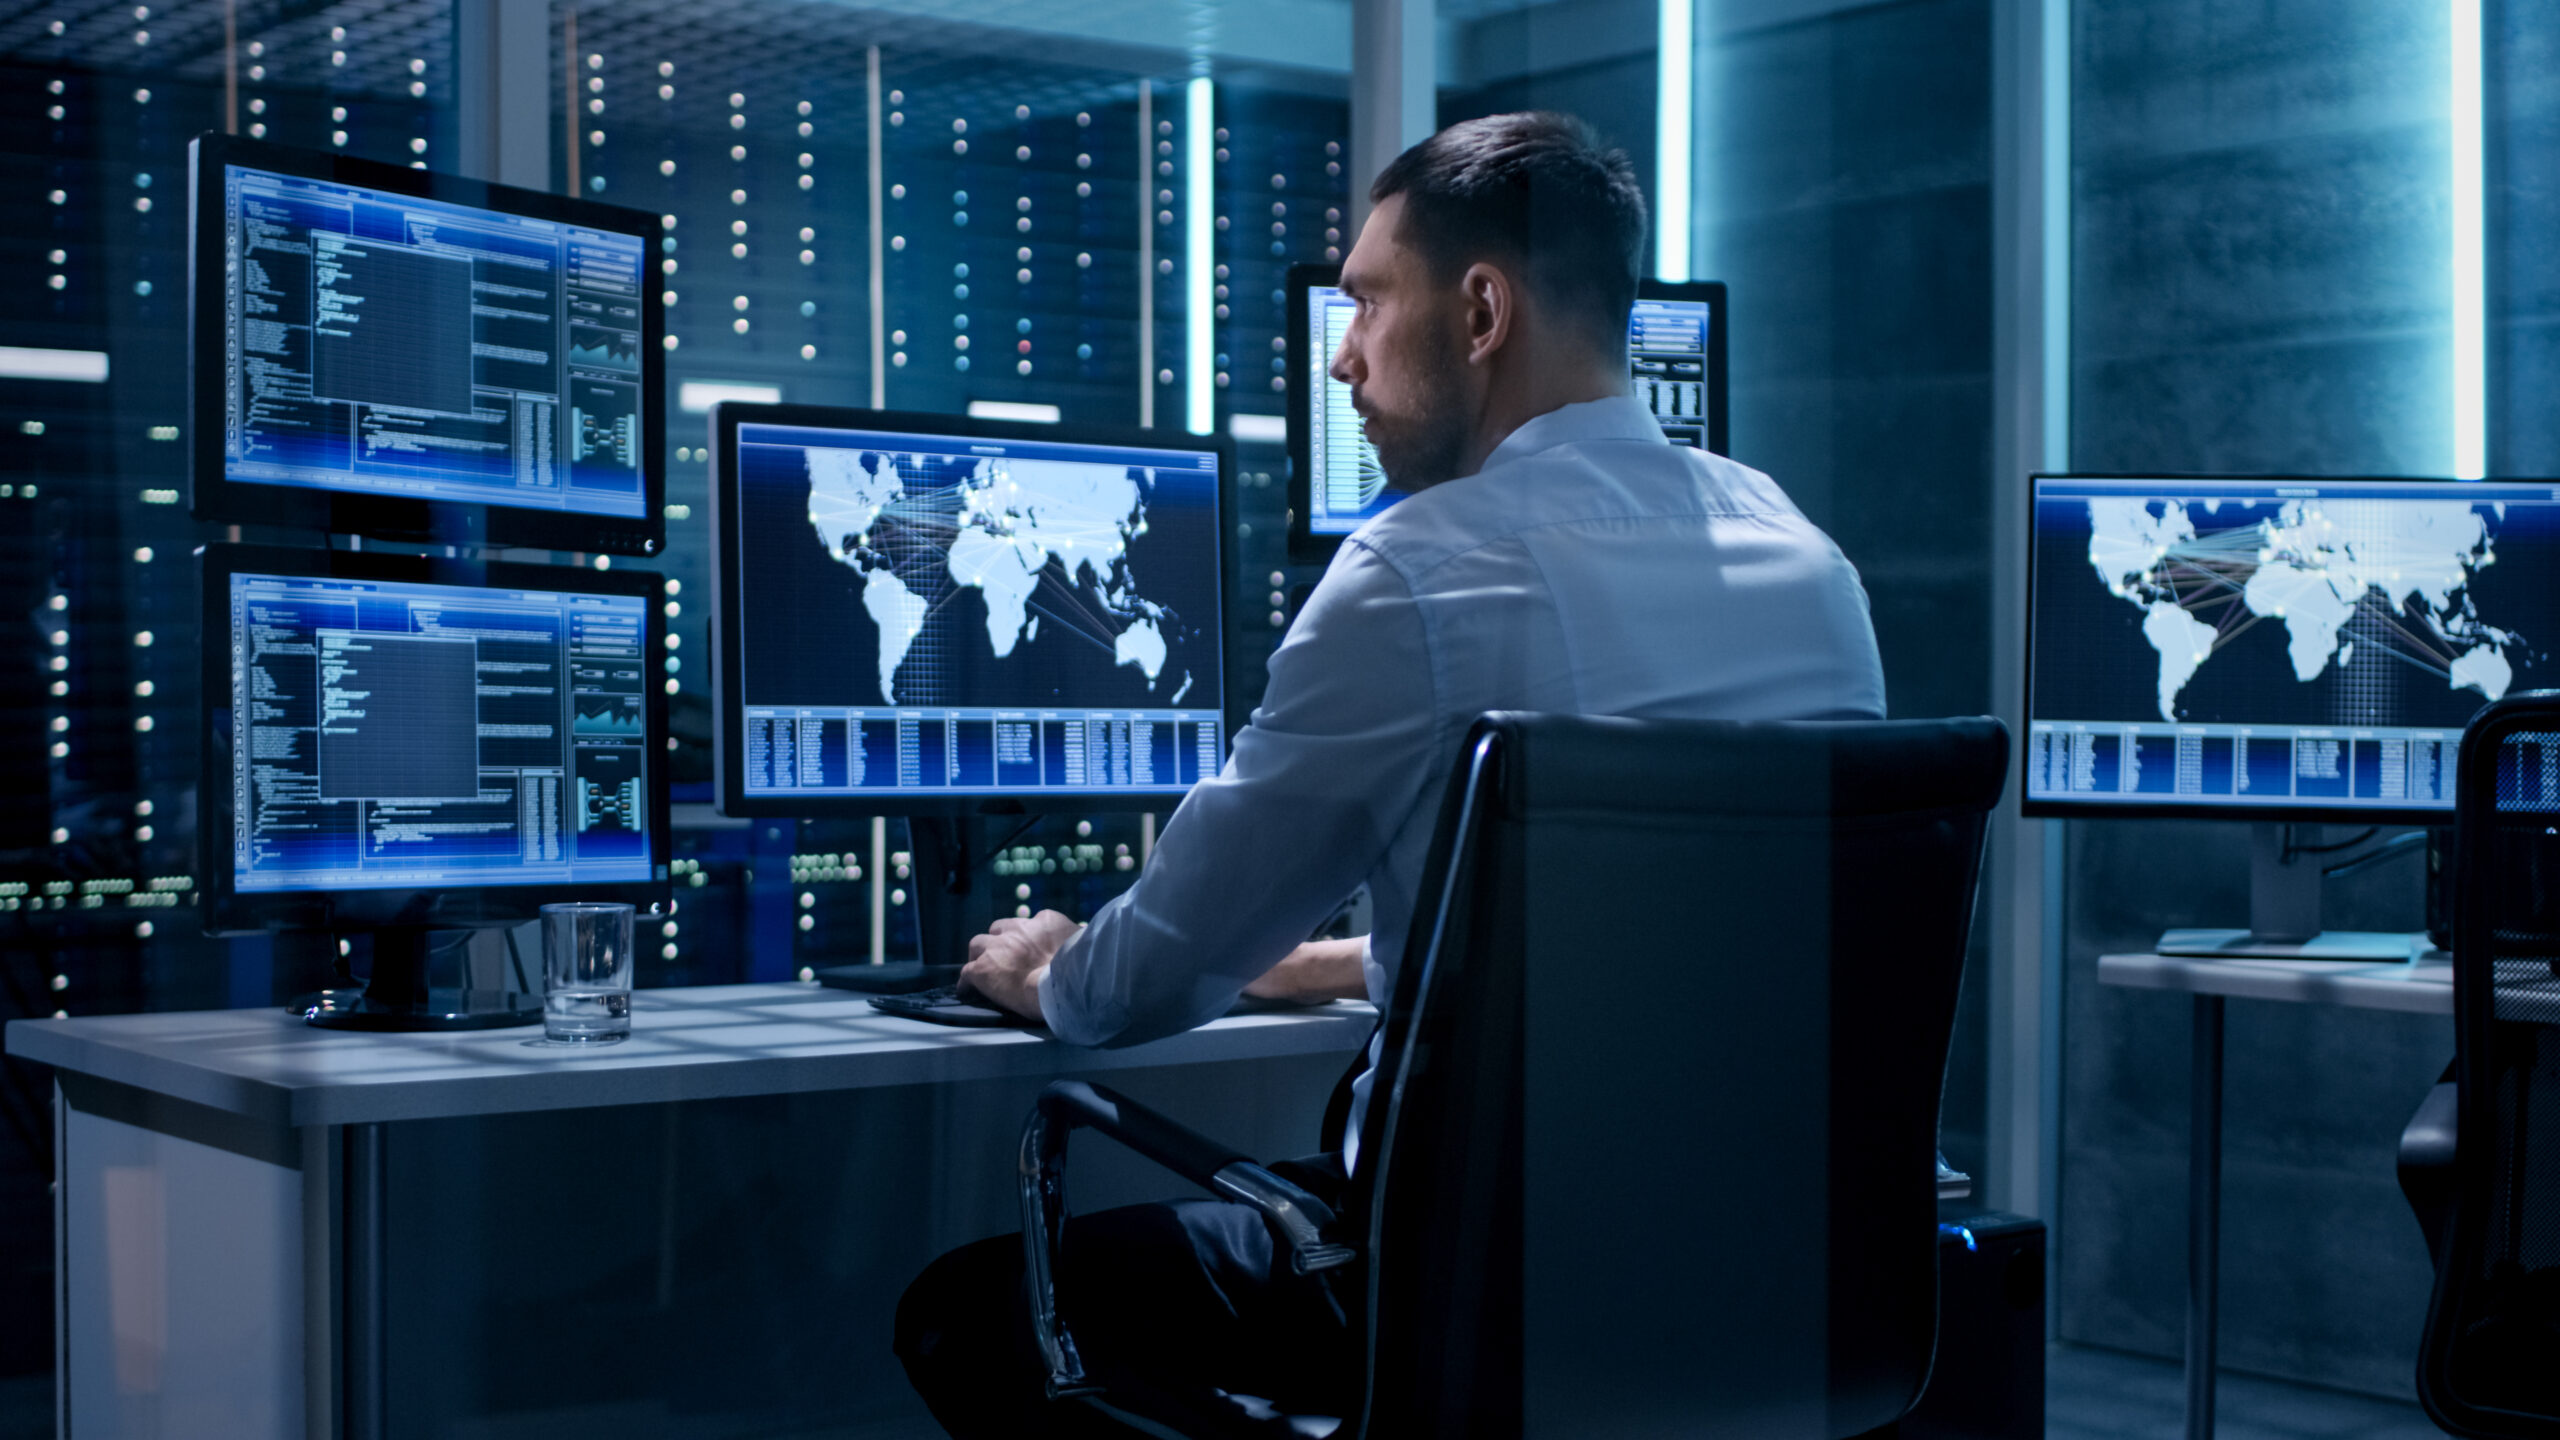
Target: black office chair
(2480,1162)
(1652,1144)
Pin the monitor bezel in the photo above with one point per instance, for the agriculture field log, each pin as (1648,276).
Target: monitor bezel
(227,910)
(1308,548)
(213,495)
(2033,808)
(728,747)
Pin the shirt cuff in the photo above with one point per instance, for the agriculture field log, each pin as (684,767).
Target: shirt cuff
(1056,1010)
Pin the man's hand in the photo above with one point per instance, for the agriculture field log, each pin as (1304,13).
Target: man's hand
(1007,964)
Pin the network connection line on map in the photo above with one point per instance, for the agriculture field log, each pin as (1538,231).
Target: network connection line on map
(2319,568)
(991,524)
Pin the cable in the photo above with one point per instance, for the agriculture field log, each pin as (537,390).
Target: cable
(2396,845)
(2291,849)
(1000,846)
(515,957)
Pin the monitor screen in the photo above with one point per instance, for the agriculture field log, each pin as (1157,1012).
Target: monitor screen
(1675,361)
(2283,648)
(389,734)
(407,346)
(924,613)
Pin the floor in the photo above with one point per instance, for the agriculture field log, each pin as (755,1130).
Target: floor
(2109,1395)
(2090,1395)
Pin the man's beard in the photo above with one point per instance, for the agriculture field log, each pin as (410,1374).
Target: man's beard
(1424,448)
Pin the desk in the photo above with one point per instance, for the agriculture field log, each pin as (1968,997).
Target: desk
(2423,987)
(223,1178)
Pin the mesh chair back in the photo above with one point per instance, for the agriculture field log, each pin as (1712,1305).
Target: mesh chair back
(1650,1154)
(2490,1361)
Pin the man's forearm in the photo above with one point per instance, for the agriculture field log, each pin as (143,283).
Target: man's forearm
(1317,970)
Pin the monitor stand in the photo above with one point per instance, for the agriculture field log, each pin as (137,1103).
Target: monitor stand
(2284,916)
(950,905)
(397,996)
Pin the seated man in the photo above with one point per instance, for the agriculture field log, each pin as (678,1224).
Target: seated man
(1555,554)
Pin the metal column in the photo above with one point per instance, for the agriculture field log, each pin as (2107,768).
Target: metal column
(1394,92)
(365,1392)
(2204,1214)
(2031,351)
(502,91)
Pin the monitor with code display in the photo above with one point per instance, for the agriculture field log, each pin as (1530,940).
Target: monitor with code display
(410,741)
(931,615)
(2277,648)
(387,351)
(1675,366)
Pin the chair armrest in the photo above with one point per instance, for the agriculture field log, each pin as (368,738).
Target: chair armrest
(2427,1149)
(1297,1218)
(1073,1104)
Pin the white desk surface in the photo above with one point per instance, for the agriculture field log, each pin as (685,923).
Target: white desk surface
(2417,987)
(686,1044)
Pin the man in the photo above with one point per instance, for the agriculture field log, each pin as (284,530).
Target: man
(1555,554)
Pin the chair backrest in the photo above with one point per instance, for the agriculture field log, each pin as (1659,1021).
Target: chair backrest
(1652,1148)
(2490,1360)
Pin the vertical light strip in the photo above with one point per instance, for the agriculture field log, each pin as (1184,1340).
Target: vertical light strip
(2053,93)
(1674,130)
(1200,409)
(1146,255)
(2470,282)
(879,878)
(879,223)
(879,859)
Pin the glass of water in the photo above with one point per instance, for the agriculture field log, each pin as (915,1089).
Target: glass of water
(586,973)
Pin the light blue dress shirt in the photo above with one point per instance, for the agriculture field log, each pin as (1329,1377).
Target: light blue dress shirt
(1591,567)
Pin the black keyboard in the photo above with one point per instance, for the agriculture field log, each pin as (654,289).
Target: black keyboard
(945,1005)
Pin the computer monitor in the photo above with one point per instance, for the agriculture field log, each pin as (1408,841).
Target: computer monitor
(407,355)
(1675,362)
(949,618)
(401,745)
(2277,649)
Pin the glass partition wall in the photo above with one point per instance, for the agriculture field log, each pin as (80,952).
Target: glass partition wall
(98,629)
(916,205)
(1028,201)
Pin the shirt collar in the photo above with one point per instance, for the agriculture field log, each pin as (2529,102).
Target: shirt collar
(1620,417)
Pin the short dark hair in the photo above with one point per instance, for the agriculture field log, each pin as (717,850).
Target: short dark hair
(1535,187)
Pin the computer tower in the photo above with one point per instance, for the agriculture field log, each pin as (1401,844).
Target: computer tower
(1988,1382)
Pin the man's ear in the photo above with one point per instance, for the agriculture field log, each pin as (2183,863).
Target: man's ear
(1493,310)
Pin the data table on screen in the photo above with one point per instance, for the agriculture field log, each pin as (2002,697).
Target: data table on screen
(412,735)
(401,346)
(1670,348)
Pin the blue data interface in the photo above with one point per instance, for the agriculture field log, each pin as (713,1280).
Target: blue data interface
(411,735)
(935,615)
(1666,360)
(2265,644)
(384,344)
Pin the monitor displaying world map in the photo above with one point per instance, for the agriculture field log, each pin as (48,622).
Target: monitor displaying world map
(947,614)
(2297,645)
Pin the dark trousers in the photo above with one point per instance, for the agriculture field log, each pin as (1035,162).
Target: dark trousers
(1176,1301)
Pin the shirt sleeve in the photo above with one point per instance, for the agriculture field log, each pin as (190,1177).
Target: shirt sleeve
(1253,860)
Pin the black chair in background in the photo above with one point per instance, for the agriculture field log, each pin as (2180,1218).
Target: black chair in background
(1646,1154)
(2480,1162)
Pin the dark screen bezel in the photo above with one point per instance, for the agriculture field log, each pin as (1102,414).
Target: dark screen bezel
(2301,814)
(215,496)
(1308,548)
(227,910)
(728,706)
